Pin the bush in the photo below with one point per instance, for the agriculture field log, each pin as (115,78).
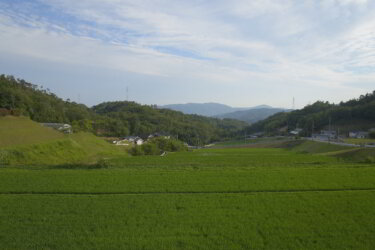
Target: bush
(4,112)
(171,145)
(157,145)
(150,149)
(136,151)
(102,163)
(4,160)
(372,135)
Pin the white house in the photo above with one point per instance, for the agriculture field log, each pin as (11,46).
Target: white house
(296,131)
(155,135)
(133,140)
(138,141)
(358,134)
(63,127)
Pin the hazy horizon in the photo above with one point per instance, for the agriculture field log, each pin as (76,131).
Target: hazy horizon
(238,53)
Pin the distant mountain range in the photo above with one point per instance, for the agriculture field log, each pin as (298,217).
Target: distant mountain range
(252,115)
(218,110)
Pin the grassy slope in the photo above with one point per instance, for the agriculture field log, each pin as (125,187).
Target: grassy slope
(349,154)
(24,142)
(359,141)
(313,147)
(22,131)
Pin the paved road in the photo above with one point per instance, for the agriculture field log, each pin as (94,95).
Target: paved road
(341,143)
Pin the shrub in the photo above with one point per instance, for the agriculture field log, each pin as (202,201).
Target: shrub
(150,149)
(136,151)
(171,145)
(102,163)
(372,135)
(4,112)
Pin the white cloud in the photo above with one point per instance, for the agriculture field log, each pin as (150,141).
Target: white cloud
(321,44)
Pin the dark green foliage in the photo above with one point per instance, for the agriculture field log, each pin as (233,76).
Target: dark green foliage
(143,120)
(119,119)
(136,151)
(372,135)
(157,146)
(356,114)
(171,145)
(38,103)
(150,149)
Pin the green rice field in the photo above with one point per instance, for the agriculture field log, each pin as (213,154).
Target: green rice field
(229,198)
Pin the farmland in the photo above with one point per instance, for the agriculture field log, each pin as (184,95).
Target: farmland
(229,198)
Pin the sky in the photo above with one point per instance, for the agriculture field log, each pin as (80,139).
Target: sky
(240,53)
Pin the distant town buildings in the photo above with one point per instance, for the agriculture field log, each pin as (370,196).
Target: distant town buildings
(136,140)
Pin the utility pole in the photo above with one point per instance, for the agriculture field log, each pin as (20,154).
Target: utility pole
(312,129)
(127,93)
(329,127)
(293,105)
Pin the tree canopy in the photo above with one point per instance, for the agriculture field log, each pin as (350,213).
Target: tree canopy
(118,119)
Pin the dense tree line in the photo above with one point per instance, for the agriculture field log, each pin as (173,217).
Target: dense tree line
(355,114)
(111,118)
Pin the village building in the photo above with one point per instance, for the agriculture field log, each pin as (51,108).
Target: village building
(129,140)
(156,135)
(296,131)
(358,134)
(325,135)
(63,127)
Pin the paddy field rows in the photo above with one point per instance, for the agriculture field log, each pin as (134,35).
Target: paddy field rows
(232,198)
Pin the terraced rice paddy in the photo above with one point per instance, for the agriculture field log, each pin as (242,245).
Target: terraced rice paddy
(233,198)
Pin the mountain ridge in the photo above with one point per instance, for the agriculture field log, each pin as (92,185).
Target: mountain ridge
(211,109)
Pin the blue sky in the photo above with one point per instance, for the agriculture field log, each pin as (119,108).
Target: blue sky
(240,53)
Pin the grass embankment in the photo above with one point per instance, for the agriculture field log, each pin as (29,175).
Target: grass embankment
(24,142)
(252,142)
(359,141)
(346,153)
(349,154)
(16,131)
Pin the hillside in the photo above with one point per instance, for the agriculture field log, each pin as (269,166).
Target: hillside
(144,120)
(24,142)
(208,109)
(355,114)
(111,118)
(251,115)
(22,131)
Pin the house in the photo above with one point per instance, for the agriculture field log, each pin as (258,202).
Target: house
(63,127)
(139,141)
(358,134)
(256,135)
(130,138)
(325,135)
(156,135)
(133,140)
(121,143)
(296,131)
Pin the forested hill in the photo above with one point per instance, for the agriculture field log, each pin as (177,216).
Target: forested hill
(19,97)
(355,114)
